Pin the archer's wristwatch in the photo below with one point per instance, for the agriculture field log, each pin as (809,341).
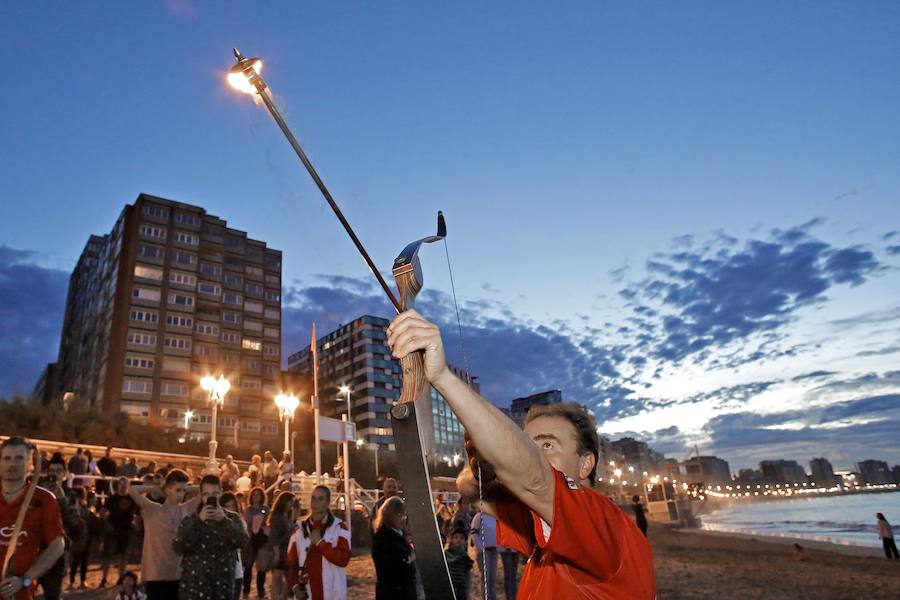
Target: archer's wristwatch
(26,582)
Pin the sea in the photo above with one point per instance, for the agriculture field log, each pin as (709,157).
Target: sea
(846,519)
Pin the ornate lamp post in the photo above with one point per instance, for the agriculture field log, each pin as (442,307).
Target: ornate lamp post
(215,389)
(287,404)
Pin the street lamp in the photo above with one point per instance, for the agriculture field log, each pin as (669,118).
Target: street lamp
(215,389)
(188,415)
(287,404)
(345,389)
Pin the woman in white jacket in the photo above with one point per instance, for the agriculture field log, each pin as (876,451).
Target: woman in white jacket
(319,552)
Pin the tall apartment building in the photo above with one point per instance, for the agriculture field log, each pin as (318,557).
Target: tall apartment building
(782,471)
(518,408)
(356,355)
(639,456)
(874,471)
(709,470)
(171,294)
(822,472)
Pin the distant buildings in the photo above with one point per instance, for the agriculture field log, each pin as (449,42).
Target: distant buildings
(519,407)
(874,472)
(708,470)
(822,472)
(782,471)
(356,355)
(639,456)
(172,293)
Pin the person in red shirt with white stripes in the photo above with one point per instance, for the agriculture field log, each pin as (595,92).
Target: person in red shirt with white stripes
(318,552)
(537,482)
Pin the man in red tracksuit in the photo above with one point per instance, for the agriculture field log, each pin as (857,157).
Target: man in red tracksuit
(318,552)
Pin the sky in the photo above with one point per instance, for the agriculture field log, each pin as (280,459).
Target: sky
(684,216)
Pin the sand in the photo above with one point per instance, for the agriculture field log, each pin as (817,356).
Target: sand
(697,564)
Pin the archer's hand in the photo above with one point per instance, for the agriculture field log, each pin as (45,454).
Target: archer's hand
(10,587)
(410,332)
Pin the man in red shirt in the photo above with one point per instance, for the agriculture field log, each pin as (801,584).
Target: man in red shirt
(536,482)
(41,542)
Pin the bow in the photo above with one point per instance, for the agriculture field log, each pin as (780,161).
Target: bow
(407,271)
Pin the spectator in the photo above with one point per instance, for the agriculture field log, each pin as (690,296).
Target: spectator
(255,470)
(120,511)
(40,542)
(484,533)
(148,469)
(107,468)
(269,470)
(319,551)
(442,513)
(128,589)
(462,518)
(78,464)
(459,563)
(80,554)
(286,466)
(392,553)
(278,533)
(886,533)
(189,471)
(160,567)
(208,541)
(229,502)
(640,518)
(73,525)
(255,518)
(229,473)
(510,559)
(243,484)
(129,469)
(389,489)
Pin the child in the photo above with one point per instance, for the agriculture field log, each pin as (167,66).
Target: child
(128,589)
(459,563)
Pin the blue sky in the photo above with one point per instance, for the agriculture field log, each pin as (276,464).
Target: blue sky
(681,215)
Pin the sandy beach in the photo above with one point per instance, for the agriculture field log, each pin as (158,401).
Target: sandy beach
(696,564)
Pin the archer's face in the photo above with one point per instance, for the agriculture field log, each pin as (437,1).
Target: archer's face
(14,463)
(556,437)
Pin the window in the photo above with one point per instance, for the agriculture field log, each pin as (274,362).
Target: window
(253,326)
(273,296)
(152,231)
(254,289)
(148,251)
(186,238)
(232,358)
(273,262)
(152,210)
(272,280)
(254,271)
(177,343)
(271,350)
(210,269)
(179,321)
(207,329)
(180,278)
(141,339)
(252,364)
(254,307)
(137,386)
(269,428)
(176,364)
(273,313)
(187,219)
(232,279)
(250,425)
(142,293)
(254,252)
(234,243)
(206,351)
(144,316)
(181,299)
(229,337)
(148,273)
(230,317)
(184,258)
(248,383)
(271,333)
(139,362)
(234,299)
(251,345)
(210,289)
(270,370)
(170,388)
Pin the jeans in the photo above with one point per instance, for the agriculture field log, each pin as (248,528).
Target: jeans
(890,548)
(487,564)
(510,573)
(248,580)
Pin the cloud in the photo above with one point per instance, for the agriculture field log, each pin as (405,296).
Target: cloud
(32,303)
(725,293)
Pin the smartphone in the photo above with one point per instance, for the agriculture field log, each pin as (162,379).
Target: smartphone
(212,501)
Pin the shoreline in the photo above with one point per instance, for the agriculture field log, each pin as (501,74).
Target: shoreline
(786,540)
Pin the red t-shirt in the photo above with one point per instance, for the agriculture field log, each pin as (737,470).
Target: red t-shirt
(592,551)
(42,525)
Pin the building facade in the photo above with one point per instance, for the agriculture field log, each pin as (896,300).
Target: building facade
(822,472)
(519,407)
(708,470)
(782,471)
(874,472)
(356,355)
(171,294)
(638,458)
